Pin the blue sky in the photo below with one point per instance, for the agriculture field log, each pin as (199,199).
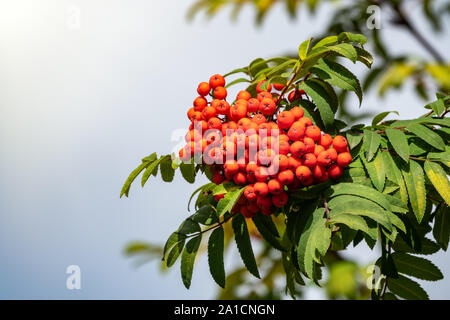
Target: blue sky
(81,106)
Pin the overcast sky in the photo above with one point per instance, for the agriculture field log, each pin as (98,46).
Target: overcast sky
(81,104)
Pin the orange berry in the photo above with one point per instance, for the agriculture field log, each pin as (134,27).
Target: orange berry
(318,171)
(264,202)
(238,111)
(240,179)
(231,167)
(249,193)
(214,123)
(264,95)
(208,112)
(283,147)
(200,103)
(340,143)
(220,93)
(313,132)
(302,173)
(259,118)
(228,126)
(283,137)
(344,159)
(280,200)
(216,81)
(267,211)
(296,132)
(253,105)
(184,154)
(309,160)
(297,149)
(306,121)
(335,171)
(298,112)
(294,163)
(294,95)
(245,95)
(326,140)
(252,207)
(286,177)
(318,149)
(261,174)
(251,168)
(203,88)
(278,86)
(274,186)
(324,158)
(196,116)
(333,153)
(263,86)
(261,189)
(309,143)
(267,107)
(281,161)
(218,178)
(222,107)
(218,197)
(285,119)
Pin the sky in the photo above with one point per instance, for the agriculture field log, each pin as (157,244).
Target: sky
(88,88)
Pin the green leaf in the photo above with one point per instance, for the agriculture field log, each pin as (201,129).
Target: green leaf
(314,242)
(345,50)
(438,178)
(376,171)
(364,57)
(407,289)
(347,204)
(379,117)
(244,245)
(225,188)
(417,267)
(227,203)
(399,142)
(427,135)
(151,169)
(415,184)
(215,256)
(206,215)
(188,259)
(354,138)
(326,41)
(371,143)
(441,229)
(394,174)
(188,171)
(239,80)
(175,252)
(352,221)
(352,37)
(167,172)
(337,75)
(261,222)
(321,98)
(126,187)
(437,106)
(427,246)
(303,49)
(174,238)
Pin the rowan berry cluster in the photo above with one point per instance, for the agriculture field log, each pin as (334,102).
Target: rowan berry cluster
(255,144)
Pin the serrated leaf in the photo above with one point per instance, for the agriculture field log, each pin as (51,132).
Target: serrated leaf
(441,229)
(175,252)
(227,203)
(126,186)
(313,243)
(215,256)
(337,75)
(326,41)
(427,246)
(415,184)
(345,50)
(393,173)
(264,225)
(352,37)
(407,289)
(427,135)
(439,179)
(371,143)
(417,267)
(236,81)
(364,57)
(347,204)
(174,238)
(399,142)
(354,222)
(322,100)
(188,259)
(304,48)
(206,215)
(244,245)
(354,138)
(152,169)
(376,171)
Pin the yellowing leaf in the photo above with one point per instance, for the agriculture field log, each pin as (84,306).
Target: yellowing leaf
(439,179)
